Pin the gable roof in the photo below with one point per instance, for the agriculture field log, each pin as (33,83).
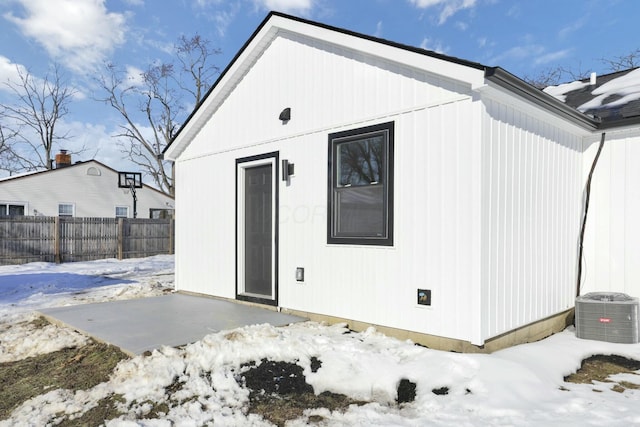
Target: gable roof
(74,165)
(450,66)
(613,98)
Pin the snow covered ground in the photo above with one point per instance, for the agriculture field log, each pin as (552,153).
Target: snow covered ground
(522,385)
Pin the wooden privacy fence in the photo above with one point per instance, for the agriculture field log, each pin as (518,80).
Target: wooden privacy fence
(66,239)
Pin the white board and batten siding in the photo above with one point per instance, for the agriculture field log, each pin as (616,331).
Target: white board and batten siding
(531,208)
(487,187)
(612,242)
(436,183)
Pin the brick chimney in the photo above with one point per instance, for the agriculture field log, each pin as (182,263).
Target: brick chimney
(63,159)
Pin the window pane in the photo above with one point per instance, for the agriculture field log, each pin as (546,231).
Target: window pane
(361,162)
(3,210)
(65,210)
(360,211)
(122,212)
(360,193)
(16,210)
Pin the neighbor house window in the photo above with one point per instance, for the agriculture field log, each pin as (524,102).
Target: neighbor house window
(65,209)
(160,213)
(122,212)
(10,209)
(360,193)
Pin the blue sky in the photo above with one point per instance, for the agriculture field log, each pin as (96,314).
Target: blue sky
(523,36)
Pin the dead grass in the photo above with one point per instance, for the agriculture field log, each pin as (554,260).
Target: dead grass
(278,390)
(600,368)
(70,368)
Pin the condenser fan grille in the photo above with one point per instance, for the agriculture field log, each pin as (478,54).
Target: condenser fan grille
(611,317)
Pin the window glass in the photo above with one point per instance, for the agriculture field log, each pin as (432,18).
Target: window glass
(7,209)
(122,212)
(65,209)
(16,210)
(360,190)
(361,162)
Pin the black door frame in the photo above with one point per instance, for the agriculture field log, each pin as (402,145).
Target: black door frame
(258,160)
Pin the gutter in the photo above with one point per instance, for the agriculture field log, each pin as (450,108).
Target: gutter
(519,87)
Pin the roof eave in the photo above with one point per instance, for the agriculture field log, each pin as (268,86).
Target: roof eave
(517,86)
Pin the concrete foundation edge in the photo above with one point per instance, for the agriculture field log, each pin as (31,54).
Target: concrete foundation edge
(529,333)
(532,332)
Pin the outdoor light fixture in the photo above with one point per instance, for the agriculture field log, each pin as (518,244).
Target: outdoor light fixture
(285,115)
(288,169)
(300,274)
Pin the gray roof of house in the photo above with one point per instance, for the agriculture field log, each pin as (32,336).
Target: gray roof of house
(614,99)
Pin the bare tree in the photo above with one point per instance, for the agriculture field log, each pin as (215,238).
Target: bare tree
(624,62)
(193,54)
(153,106)
(555,75)
(29,126)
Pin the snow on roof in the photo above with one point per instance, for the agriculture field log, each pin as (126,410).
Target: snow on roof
(560,92)
(616,92)
(613,97)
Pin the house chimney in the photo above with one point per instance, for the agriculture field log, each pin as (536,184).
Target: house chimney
(592,81)
(63,159)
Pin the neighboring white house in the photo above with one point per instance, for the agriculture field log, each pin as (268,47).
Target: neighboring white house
(346,177)
(83,189)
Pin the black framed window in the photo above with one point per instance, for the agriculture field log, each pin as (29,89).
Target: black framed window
(360,193)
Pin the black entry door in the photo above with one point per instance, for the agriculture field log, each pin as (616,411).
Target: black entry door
(258,230)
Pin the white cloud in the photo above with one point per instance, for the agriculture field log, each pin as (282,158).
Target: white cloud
(287,6)
(572,27)
(378,32)
(434,45)
(78,33)
(447,8)
(462,26)
(533,53)
(9,72)
(94,141)
(134,76)
(551,57)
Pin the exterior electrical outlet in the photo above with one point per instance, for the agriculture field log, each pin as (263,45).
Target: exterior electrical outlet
(424,296)
(300,274)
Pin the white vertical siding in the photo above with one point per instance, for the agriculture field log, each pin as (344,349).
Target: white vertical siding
(531,182)
(436,184)
(612,241)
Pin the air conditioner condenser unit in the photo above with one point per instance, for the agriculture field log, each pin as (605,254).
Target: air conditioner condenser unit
(607,316)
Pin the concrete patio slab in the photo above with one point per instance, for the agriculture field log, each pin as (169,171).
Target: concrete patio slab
(144,324)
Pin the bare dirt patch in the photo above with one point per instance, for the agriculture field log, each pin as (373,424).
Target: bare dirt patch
(600,368)
(279,392)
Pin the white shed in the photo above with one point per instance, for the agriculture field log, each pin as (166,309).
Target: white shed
(349,178)
(82,189)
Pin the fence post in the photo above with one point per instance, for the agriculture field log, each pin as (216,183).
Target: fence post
(57,242)
(120,238)
(171,234)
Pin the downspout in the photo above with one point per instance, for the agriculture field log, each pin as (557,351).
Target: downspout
(584,215)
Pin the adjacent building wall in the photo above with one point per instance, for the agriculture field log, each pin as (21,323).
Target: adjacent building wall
(612,244)
(89,186)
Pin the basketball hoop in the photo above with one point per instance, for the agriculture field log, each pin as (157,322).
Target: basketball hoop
(131,181)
